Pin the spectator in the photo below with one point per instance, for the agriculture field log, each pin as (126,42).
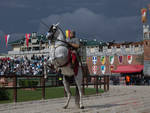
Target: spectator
(127,80)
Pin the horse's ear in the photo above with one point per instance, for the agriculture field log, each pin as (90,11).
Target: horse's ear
(50,29)
(57,24)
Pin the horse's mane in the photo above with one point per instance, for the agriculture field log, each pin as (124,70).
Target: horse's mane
(61,31)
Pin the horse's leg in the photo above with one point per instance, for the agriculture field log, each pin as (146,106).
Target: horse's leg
(77,97)
(67,89)
(78,80)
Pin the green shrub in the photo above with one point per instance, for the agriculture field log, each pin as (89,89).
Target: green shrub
(4,95)
(28,83)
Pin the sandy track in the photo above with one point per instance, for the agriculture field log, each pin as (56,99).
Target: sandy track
(120,99)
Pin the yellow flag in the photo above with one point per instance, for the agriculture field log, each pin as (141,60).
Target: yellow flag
(67,34)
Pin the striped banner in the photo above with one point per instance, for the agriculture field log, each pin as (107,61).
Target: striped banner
(67,33)
(27,39)
(103,59)
(94,60)
(6,39)
(143,12)
(103,69)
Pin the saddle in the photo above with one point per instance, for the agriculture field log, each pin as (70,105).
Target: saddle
(74,62)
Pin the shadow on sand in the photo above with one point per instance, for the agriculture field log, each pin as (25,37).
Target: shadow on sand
(103,106)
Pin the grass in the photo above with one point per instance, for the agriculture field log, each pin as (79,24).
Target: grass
(29,95)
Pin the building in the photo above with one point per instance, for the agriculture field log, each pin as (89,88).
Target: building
(146,44)
(124,58)
(107,56)
(101,58)
(38,44)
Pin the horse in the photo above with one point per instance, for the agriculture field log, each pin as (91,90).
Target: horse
(59,58)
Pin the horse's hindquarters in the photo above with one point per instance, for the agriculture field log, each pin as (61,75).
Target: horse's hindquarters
(67,70)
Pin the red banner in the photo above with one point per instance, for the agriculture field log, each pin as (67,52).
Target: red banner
(6,39)
(143,12)
(27,39)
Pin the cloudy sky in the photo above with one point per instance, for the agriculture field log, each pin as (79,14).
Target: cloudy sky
(105,20)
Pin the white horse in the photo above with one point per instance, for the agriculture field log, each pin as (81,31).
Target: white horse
(59,58)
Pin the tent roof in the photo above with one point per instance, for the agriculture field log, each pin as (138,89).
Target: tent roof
(128,69)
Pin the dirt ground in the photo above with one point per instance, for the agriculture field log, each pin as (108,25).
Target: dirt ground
(119,99)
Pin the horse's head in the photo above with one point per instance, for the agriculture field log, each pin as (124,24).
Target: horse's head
(52,33)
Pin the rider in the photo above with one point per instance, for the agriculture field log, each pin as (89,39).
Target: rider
(75,44)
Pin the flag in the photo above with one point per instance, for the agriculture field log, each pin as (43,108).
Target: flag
(27,39)
(103,69)
(120,58)
(103,59)
(111,59)
(111,67)
(94,60)
(149,7)
(67,33)
(129,58)
(94,69)
(143,12)
(6,39)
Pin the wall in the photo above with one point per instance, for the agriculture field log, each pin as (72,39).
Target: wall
(136,59)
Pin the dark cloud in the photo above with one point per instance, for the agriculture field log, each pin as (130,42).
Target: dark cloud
(95,25)
(13,4)
(101,19)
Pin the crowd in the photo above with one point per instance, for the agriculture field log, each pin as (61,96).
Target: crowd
(23,65)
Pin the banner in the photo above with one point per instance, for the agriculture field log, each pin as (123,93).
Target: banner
(94,69)
(94,60)
(120,59)
(103,69)
(111,67)
(68,34)
(6,39)
(149,7)
(144,12)
(27,39)
(111,59)
(129,59)
(103,59)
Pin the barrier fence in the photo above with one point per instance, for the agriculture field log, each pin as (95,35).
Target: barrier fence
(96,80)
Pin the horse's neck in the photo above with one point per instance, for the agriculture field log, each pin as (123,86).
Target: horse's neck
(60,38)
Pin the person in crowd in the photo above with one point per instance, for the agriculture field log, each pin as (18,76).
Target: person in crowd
(127,80)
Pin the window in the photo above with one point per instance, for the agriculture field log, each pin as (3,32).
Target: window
(146,43)
(127,46)
(118,46)
(100,48)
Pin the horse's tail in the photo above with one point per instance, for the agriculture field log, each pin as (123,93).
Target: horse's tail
(77,97)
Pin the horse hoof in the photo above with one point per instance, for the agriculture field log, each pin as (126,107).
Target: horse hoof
(65,107)
(82,107)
